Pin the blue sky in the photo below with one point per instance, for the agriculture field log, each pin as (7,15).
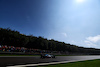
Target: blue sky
(71,21)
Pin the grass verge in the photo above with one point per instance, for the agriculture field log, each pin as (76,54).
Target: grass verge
(89,63)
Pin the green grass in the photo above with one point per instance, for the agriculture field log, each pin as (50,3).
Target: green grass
(89,63)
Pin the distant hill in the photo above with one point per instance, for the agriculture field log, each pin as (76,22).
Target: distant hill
(14,38)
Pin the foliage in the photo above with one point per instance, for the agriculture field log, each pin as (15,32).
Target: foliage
(14,38)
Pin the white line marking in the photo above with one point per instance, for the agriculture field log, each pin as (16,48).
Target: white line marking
(47,63)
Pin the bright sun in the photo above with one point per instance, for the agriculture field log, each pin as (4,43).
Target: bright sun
(80,1)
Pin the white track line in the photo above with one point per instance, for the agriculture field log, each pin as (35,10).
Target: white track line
(46,63)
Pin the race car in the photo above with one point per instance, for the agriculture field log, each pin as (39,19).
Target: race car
(47,56)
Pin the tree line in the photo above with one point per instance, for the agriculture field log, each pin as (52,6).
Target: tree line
(14,38)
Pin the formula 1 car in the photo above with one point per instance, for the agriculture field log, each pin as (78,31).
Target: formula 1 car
(47,56)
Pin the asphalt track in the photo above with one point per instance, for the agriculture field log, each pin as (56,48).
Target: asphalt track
(19,60)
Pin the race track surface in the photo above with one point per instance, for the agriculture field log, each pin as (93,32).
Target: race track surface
(19,60)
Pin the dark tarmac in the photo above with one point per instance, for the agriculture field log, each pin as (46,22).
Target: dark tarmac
(16,60)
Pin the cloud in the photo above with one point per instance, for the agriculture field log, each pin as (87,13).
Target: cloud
(73,42)
(90,44)
(94,39)
(64,34)
(49,38)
